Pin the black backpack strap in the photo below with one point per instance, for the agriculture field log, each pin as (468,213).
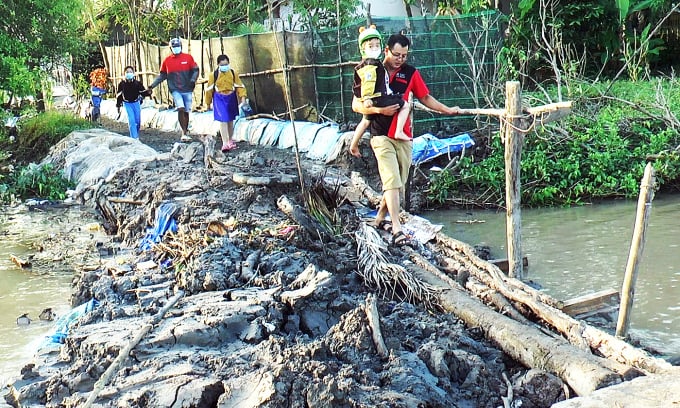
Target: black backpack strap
(233,77)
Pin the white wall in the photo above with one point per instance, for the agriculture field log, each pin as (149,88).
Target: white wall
(396,8)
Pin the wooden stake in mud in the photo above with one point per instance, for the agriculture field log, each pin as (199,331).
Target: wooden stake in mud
(644,208)
(514,138)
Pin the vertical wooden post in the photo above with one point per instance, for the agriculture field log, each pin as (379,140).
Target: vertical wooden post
(514,138)
(644,209)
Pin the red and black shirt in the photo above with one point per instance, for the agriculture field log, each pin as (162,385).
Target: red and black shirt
(180,70)
(403,81)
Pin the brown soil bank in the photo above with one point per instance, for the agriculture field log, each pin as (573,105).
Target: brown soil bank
(252,303)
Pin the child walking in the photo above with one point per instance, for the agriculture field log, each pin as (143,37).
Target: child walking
(130,92)
(225,92)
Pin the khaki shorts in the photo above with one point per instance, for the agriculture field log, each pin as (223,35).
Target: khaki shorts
(394,161)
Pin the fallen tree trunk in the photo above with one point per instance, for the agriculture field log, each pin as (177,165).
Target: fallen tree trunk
(300,216)
(500,302)
(367,191)
(582,371)
(577,332)
(563,323)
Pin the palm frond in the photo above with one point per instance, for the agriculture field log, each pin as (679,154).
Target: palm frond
(392,280)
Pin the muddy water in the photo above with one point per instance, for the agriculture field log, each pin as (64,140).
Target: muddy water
(576,251)
(29,290)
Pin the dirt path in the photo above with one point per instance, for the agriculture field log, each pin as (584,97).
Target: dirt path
(267,314)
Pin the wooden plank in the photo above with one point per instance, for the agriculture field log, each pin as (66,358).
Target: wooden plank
(591,302)
(503,265)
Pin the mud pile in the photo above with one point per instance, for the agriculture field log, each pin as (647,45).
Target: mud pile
(242,306)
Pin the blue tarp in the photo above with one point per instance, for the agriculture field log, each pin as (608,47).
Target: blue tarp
(164,222)
(428,146)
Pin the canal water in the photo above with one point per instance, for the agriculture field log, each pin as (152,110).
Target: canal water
(31,290)
(580,250)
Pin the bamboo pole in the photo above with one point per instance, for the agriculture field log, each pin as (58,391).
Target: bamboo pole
(514,138)
(287,93)
(342,94)
(644,209)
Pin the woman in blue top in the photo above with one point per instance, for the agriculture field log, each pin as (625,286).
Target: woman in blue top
(130,93)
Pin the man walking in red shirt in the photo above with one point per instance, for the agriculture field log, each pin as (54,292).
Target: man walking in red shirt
(394,155)
(181,71)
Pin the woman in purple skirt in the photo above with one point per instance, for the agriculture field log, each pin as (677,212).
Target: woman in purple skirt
(225,93)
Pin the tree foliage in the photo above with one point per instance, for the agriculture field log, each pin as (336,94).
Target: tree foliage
(36,35)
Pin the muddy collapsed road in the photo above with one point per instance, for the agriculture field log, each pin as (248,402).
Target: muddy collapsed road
(250,303)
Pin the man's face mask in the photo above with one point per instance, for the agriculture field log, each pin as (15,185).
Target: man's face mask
(224,68)
(129,76)
(176,50)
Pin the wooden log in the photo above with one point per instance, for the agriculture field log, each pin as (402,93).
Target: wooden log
(582,371)
(618,350)
(123,200)
(623,368)
(499,302)
(300,216)
(371,310)
(514,139)
(307,283)
(261,179)
(590,302)
(488,273)
(367,191)
(644,209)
(541,115)
(481,291)
(578,333)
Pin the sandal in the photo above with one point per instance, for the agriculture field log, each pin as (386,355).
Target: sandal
(385,225)
(229,146)
(401,240)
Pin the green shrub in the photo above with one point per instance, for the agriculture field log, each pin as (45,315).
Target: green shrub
(599,151)
(34,181)
(42,131)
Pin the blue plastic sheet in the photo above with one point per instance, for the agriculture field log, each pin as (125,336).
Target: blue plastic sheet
(164,222)
(63,324)
(428,146)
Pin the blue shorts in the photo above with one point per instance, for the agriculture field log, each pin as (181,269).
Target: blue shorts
(182,100)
